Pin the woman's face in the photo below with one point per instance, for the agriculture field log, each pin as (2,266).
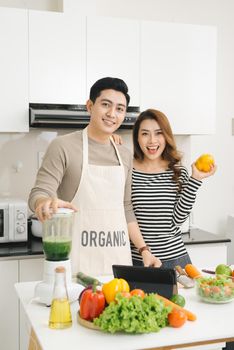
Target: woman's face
(151,139)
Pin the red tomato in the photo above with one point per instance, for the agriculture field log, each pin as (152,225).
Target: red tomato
(207,291)
(138,292)
(125,294)
(232,273)
(215,289)
(177,318)
(227,290)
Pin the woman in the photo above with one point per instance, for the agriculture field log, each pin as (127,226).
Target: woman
(163,193)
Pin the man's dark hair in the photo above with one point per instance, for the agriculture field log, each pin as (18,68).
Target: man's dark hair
(108,83)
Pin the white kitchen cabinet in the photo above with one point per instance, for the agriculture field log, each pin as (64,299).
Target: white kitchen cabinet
(14,70)
(29,270)
(9,306)
(57,58)
(178,74)
(113,49)
(208,255)
(14,329)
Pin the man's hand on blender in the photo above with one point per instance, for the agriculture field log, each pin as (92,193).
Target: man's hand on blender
(45,207)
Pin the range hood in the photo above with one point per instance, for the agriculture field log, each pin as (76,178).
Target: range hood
(69,116)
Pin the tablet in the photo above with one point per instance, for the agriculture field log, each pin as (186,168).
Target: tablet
(150,279)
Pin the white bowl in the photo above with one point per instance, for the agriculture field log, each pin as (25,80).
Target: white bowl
(36,227)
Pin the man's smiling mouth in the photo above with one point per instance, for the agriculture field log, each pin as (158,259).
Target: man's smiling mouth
(108,121)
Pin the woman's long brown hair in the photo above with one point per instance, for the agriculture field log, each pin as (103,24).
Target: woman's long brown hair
(170,153)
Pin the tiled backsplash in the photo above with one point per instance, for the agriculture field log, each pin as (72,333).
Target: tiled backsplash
(19,157)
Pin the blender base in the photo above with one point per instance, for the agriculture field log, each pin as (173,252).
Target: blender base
(44,289)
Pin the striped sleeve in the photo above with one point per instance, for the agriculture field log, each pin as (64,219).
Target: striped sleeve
(186,198)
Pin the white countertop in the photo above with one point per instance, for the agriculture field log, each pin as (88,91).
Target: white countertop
(214,324)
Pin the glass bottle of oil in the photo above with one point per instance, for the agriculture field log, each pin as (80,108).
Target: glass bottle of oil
(60,313)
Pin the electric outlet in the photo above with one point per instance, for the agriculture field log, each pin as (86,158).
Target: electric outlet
(40,156)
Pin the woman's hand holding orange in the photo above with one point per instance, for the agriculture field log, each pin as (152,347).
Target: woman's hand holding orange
(200,175)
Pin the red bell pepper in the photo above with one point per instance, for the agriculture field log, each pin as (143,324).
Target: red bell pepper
(92,303)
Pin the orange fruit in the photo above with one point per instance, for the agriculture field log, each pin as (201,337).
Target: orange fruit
(204,162)
(177,318)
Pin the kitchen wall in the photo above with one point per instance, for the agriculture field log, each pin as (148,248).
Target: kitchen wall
(215,198)
(20,153)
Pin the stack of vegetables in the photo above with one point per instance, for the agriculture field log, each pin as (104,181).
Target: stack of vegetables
(112,307)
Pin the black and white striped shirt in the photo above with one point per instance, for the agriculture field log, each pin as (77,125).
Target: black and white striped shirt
(161,210)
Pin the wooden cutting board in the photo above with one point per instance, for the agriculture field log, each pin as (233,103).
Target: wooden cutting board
(86,324)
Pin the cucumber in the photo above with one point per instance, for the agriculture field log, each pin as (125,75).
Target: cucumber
(87,280)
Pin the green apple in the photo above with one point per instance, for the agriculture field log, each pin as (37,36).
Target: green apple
(223,269)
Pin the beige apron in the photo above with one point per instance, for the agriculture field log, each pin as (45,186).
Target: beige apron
(100,237)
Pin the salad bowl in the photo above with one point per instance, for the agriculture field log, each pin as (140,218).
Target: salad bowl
(217,290)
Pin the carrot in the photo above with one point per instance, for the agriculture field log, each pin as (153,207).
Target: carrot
(167,302)
(192,271)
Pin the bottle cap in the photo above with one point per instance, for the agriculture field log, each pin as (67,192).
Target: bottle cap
(60,269)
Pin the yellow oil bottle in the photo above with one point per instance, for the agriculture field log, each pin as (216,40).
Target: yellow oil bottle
(60,313)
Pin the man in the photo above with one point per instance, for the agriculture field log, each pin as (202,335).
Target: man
(86,171)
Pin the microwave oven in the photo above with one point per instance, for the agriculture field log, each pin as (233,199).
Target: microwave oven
(13,220)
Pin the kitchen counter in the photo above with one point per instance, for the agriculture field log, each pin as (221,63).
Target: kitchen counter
(22,250)
(34,245)
(205,330)
(197,236)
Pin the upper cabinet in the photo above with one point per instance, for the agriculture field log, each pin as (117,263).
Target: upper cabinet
(53,57)
(13,70)
(57,58)
(113,49)
(178,74)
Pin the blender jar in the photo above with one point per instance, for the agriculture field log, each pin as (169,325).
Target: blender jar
(57,235)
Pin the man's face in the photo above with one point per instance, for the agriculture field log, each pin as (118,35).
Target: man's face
(108,111)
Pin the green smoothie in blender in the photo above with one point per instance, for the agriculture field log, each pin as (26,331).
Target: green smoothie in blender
(56,250)
(57,235)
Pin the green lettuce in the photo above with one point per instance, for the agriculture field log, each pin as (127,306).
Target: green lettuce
(133,315)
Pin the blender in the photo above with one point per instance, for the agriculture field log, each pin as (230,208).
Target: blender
(57,242)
